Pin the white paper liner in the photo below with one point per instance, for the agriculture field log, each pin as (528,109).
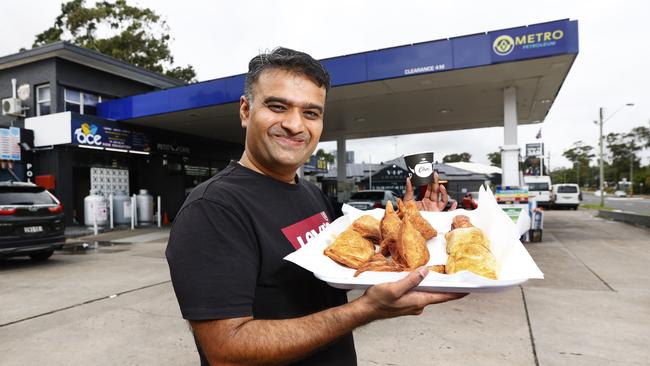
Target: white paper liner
(515,264)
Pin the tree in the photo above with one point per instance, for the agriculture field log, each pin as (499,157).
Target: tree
(622,153)
(642,134)
(322,155)
(495,158)
(454,158)
(128,33)
(580,155)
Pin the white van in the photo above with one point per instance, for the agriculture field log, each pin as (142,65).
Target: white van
(566,195)
(539,189)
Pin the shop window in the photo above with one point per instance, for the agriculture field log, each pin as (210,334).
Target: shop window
(90,103)
(43,100)
(81,102)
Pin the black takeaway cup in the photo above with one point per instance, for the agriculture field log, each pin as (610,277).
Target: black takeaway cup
(420,168)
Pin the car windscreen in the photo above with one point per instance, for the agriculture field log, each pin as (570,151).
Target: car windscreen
(24,196)
(538,186)
(368,196)
(567,189)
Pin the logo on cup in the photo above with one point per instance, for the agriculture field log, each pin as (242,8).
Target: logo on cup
(423,170)
(420,168)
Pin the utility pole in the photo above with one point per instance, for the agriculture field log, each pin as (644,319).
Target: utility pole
(602,167)
(631,172)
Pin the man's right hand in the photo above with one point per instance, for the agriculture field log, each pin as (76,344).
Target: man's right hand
(389,300)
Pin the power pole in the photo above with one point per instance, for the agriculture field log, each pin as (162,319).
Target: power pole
(602,166)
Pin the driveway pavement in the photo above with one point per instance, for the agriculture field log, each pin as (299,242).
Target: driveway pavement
(110,302)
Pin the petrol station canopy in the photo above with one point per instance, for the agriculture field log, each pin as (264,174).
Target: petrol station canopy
(449,84)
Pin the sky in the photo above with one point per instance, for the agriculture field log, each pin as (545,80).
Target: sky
(219,37)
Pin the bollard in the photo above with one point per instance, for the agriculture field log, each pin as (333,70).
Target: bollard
(110,209)
(159,211)
(133,212)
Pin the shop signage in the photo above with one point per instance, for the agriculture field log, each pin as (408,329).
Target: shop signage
(94,133)
(536,149)
(173,148)
(528,42)
(10,143)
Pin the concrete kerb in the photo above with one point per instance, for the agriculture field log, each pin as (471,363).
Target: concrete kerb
(626,217)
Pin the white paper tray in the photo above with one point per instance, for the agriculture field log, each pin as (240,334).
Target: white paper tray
(515,264)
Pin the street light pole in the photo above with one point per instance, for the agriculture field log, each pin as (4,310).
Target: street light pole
(602,167)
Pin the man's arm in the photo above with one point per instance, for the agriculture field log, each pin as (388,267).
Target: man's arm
(247,341)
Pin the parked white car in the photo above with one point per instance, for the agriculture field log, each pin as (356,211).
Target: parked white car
(367,200)
(620,194)
(566,195)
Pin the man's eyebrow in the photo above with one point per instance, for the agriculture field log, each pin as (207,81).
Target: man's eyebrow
(286,101)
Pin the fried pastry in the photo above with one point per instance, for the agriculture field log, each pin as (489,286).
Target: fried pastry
(469,249)
(389,225)
(411,250)
(440,268)
(460,221)
(379,263)
(350,249)
(368,227)
(401,208)
(412,214)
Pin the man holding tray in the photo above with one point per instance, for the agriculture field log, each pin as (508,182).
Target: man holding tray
(246,305)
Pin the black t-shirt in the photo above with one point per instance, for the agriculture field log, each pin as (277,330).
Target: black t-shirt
(226,247)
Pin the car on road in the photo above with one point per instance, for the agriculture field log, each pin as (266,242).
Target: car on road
(566,195)
(369,199)
(620,194)
(31,221)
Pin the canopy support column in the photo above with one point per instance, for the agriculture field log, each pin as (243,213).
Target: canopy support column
(341,171)
(510,148)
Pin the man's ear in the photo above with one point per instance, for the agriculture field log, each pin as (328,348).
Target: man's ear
(244,111)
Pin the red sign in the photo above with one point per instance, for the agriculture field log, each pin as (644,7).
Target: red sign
(300,233)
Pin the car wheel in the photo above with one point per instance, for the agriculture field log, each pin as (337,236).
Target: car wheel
(41,256)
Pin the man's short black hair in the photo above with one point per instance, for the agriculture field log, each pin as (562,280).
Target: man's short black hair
(286,59)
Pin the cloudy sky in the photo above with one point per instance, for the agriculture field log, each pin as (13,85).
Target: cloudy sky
(219,37)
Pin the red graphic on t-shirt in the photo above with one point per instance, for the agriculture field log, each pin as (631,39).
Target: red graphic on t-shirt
(300,233)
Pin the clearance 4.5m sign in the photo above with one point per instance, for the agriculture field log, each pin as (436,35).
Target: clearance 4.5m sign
(528,42)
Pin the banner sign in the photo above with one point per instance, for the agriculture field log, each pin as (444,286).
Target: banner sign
(529,42)
(96,134)
(315,165)
(10,143)
(536,149)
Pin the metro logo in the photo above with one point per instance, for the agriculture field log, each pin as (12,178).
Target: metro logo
(539,37)
(300,233)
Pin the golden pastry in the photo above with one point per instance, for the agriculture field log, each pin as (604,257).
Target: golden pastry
(390,225)
(379,263)
(412,214)
(350,249)
(368,227)
(411,249)
(469,249)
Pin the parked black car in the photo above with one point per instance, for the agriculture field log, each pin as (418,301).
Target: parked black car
(31,221)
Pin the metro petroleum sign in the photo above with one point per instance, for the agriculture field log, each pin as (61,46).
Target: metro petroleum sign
(525,42)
